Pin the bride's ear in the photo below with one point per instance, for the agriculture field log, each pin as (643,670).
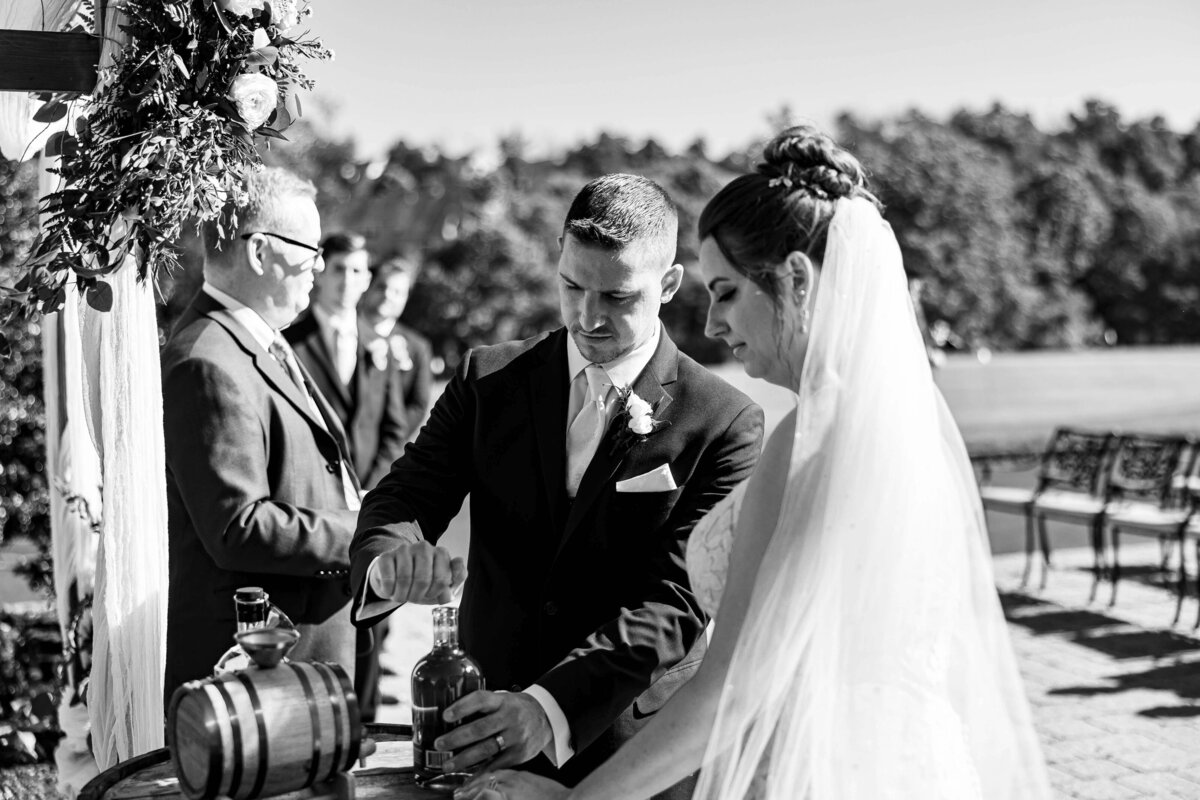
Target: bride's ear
(797,275)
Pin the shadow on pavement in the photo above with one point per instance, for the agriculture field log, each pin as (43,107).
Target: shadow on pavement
(1182,679)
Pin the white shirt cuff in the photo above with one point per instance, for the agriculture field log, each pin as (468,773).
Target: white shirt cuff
(368,607)
(559,751)
(368,604)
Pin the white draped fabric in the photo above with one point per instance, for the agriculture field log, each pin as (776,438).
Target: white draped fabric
(20,136)
(117,384)
(123,387)
(73,469)
(874,663)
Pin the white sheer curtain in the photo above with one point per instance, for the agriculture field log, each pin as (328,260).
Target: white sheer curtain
(115,381)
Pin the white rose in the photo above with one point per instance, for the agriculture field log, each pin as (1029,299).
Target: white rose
(255,96)
(284,13)
(242,7)
(637,406)
(641,425)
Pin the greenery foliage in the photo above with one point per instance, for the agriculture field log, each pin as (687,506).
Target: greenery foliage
(169,135)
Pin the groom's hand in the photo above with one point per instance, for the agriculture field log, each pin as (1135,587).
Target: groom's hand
(513,719)
(417,572)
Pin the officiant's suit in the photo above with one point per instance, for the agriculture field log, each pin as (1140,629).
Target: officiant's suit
(255,496)
(587,598)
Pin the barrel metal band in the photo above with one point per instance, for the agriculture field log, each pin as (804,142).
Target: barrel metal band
(315,716)
(235,725)
(252,695)
(335,702)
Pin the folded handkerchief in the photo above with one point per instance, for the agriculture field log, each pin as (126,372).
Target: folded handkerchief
(656,480)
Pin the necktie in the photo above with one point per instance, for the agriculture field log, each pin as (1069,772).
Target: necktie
(287,359)
(282,353)
(583,437)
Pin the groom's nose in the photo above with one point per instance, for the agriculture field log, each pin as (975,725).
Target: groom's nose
(591,313)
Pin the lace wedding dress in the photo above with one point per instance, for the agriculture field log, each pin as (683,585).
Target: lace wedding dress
(874,661)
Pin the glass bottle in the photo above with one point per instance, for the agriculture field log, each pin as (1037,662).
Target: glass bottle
(439,679)
(251,607)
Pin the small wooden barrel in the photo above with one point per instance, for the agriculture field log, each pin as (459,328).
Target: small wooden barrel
(263,732)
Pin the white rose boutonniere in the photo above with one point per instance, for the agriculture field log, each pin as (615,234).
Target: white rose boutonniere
(255,96)
(400,352)
(378,349)
(635,421)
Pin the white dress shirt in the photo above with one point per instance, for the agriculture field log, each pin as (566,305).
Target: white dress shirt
(340,333)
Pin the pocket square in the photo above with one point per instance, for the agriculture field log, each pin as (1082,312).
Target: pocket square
(656,480)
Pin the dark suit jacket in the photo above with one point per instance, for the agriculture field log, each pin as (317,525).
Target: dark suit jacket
(380,409)
(254,497)
(590,598)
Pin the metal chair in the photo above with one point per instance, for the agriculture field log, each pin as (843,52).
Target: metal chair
(1069,489)
(1146,495)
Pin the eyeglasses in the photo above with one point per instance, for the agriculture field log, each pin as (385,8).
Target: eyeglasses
(316,249)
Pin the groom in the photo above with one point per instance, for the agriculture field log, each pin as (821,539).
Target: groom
(581,504)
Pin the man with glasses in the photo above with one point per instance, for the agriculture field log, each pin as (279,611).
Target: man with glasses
(259,491)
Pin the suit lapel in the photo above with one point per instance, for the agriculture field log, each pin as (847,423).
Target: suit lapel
(660,372)
(271,370)
(333,426)
(548,410)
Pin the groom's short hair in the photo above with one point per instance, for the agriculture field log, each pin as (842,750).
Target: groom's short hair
(616,212)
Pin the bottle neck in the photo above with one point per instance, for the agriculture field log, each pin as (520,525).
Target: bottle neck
(445,637)
(445,628)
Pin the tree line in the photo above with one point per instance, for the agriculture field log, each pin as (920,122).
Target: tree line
(1086,234)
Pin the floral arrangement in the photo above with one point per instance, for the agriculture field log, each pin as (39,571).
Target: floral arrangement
(170,134)
(635,421)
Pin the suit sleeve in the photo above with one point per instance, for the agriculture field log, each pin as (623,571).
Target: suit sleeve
(424,489)
(606,673)
(217,450)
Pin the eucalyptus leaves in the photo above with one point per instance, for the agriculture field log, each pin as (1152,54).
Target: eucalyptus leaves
(167,137)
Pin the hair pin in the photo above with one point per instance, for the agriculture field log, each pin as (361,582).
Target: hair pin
(781,180)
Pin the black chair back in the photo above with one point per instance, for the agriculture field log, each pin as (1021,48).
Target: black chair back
(1076,460)
(1151,469)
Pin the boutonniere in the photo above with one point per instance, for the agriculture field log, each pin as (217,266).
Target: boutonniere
(635,421)
(378,348)
(400,352)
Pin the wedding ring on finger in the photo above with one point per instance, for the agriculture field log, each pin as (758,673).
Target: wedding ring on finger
(499,740)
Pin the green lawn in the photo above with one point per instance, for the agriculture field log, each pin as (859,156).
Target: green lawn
(1017,399)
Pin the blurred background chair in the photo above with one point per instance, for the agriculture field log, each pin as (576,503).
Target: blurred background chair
(1146,494)
(1069,488)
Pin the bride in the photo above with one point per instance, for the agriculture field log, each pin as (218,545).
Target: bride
(859,649)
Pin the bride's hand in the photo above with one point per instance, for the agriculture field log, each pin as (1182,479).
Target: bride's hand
(507,784)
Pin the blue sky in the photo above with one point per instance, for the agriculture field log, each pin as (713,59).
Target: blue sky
(463,73)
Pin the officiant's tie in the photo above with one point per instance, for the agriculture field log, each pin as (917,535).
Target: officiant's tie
(583,437)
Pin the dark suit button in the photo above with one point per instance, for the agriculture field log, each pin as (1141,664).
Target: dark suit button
(516,687)
(331,466)
(550,609)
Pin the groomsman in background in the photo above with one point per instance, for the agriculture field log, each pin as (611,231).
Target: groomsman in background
(366,386)
(379,312)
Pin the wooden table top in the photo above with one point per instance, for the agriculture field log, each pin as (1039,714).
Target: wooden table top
(387,774)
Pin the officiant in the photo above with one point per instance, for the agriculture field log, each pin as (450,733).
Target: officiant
(589,453)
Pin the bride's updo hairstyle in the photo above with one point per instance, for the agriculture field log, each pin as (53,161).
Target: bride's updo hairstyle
(785,206)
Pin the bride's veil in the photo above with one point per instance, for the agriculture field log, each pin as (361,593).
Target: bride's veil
(874,661)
